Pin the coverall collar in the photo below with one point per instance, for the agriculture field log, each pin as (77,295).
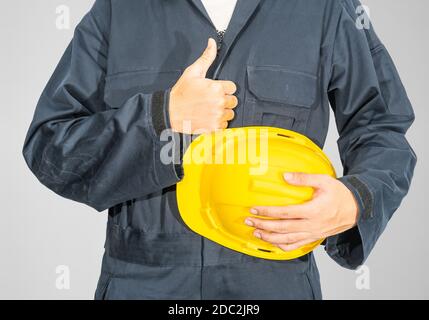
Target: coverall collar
(242,14)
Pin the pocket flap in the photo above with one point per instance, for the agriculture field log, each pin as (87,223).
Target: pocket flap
(143,78)
(122,86)
(273,83)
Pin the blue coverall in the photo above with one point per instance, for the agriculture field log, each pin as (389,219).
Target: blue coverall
(95,134)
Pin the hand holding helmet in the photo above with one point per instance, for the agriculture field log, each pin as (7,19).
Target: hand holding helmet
(332,210)
(215,198)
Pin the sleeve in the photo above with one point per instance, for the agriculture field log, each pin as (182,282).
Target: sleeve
(85,151)
(372,114)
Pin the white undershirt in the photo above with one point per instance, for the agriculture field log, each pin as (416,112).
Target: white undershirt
(220,12)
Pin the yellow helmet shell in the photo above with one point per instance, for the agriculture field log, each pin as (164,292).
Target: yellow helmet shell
(233,170)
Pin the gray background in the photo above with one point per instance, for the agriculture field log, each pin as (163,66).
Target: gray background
(40,230)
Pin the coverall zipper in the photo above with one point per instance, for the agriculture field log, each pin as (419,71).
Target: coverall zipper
(220,38)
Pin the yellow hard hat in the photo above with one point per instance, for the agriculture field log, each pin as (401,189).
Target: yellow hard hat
(228,172)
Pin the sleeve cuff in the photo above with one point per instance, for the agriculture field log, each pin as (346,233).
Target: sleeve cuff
(351,248)
(362,194)
(160,111)
(178,166)
(161,122)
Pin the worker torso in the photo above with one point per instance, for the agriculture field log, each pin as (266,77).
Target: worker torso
(274,51)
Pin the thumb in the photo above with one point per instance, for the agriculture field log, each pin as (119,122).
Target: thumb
(200,67)
(304,179)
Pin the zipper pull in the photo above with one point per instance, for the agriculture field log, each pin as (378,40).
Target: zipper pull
(220,37)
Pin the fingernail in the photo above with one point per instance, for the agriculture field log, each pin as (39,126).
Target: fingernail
(210,44)
(257,235)
(288,176)
(253,211)
(249,222)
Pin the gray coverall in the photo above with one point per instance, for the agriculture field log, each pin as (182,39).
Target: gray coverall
(95,136)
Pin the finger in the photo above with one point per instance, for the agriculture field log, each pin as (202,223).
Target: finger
(228,115)
(299,211)
(304,179)
(231,102)
(222,125)
(229,87)
(294,246)
(281,226)
(280,238)
(200,67)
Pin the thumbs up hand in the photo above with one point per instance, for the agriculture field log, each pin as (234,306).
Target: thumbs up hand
(200,105)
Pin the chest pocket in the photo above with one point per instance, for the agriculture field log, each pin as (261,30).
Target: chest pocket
(122,86)
(278,97)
